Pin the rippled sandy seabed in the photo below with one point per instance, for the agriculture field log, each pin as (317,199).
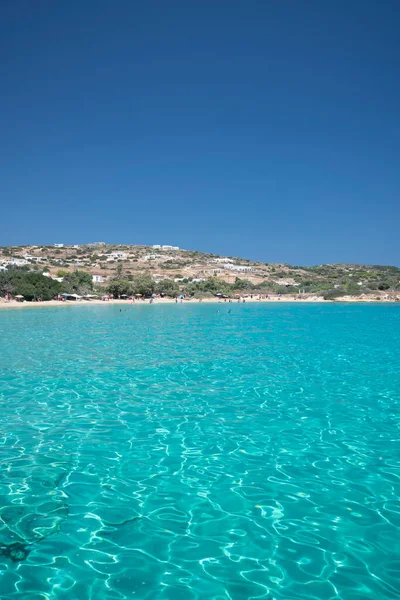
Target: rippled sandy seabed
(181,452)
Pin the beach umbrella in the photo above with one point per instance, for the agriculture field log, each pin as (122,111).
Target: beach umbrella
(19,296)
(124,295)
(138,294)
(219,294)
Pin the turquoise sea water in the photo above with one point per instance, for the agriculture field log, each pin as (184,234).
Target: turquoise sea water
(175,452)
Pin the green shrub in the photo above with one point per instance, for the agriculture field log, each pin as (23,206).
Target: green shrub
(78,282)
(167,287)
(332,294)
(30,285)
(118,287)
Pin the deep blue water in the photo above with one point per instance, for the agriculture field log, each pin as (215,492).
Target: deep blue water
(177,452)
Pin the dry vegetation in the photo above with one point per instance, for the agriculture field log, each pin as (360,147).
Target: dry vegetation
(111,261)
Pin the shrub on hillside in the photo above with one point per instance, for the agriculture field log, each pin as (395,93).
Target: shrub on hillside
(118,287)
(79,282)
(167,287)
(30,285)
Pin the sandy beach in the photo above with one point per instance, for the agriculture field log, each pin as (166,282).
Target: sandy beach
(271,299)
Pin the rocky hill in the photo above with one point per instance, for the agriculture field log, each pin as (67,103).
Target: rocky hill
(107,262)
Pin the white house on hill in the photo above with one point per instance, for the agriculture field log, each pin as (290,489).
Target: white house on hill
(98,279)
(238,267)
(17,262)
(165,247)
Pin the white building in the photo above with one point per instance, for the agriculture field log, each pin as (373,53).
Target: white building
(223,260)
(238,267)
(3,268)
(58,245)
(152,256)
(115,255)
(98,279)
(18,262)
(165,247)
(286,282)
(34,258)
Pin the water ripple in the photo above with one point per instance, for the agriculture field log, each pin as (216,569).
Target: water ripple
(174,452)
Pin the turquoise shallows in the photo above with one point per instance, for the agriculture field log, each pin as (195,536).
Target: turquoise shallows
(179,452)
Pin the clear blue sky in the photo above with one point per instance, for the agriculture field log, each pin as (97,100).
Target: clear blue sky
(267,129)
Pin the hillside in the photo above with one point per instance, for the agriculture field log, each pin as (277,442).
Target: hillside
(107,262)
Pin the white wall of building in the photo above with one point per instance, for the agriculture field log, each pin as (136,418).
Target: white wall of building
(238,267)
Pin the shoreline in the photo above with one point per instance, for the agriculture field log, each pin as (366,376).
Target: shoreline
(272,299)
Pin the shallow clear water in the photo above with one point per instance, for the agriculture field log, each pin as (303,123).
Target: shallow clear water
(177,452)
